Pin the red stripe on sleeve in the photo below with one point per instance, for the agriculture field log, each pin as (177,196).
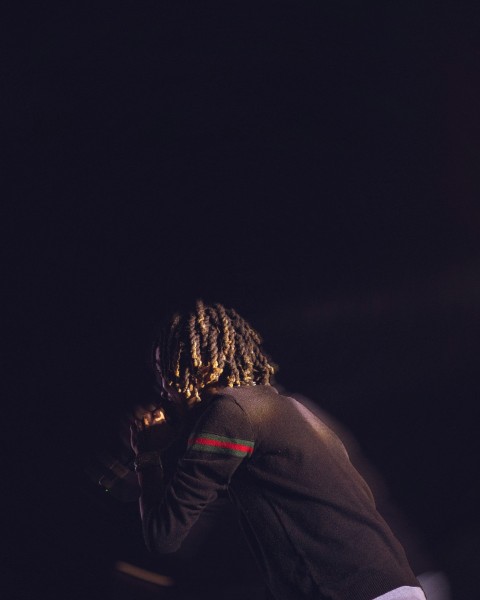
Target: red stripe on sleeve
(220,444)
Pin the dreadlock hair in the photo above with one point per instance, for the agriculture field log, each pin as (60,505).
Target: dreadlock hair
(210,345)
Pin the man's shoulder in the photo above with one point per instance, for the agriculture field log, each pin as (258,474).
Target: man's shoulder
(248,392)
(225,420)
(248,397)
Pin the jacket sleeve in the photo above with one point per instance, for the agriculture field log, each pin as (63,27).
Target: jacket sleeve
(220,442)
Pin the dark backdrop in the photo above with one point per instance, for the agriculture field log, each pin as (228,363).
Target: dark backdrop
(313,165)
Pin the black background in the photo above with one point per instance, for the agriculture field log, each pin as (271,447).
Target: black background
(313,165)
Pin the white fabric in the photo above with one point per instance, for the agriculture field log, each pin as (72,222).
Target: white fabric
(403,593)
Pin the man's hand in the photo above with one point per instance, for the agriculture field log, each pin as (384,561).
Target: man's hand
(150,430)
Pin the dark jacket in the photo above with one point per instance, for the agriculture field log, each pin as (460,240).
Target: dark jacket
(309,517)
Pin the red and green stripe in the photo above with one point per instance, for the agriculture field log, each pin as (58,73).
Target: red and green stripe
(210,442)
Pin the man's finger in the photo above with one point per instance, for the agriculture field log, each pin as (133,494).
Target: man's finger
(158,416)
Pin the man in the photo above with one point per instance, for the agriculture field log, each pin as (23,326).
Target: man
(309,517)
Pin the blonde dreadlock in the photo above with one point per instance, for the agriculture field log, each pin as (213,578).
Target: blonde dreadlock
(212,344)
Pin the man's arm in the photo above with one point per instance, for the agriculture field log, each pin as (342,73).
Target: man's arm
(222,439)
